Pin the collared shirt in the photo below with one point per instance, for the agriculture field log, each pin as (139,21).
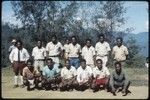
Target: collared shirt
(120,52)
(68,73)
(74,50)
(39,53)
(50,73)
(28,74)
(11,48)
(66,48)
(83,75)
(54,49)
(102,49)
(88,53)
(100,73)
(24,55)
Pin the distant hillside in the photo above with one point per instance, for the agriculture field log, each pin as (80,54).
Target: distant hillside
(142,39)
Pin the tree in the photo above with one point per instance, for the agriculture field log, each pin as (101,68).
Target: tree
(110,18)
(134,59)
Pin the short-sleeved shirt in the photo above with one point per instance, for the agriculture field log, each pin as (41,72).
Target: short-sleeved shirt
(88,53)
(120,52)
(50,73)
(68,73)
(83,75)
(74,50)
(66,48)
(28,74)
(39,53)
(54,49)
(102,49)
(100,73)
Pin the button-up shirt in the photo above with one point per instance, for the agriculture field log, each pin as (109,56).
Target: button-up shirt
(100,73)
(39,53)
(68,73)
(50,73)
(120,52)
(74,50)
(54,49)
(88,53)
(102,49)
(24,55)
(83,75)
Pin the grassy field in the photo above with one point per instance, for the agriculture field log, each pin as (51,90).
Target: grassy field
(138,88)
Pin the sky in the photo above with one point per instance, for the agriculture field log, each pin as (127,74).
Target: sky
(136,15)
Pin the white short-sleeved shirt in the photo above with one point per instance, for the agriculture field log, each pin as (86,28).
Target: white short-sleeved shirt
(66,48)
(24,55)
(83,75)
(54,49)
(39,53)
(88,53)
(102,49)
(74,50)
(120,52)
(68,73)
(100,73)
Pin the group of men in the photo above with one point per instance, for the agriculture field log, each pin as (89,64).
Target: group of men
(84,67)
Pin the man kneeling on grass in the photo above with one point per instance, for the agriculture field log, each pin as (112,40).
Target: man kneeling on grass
(68,77)
(31,77)
(51,75)
(84,76)
(118,80)
(101,76)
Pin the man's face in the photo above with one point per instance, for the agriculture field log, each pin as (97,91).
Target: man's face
(99,64)
(29,64)
(19,45)
(67,64)
(73,40)
(118,68)
(54,40)
(101,39)
(49,64)
(88,43)
(67,41)
(14,43)
(39,43)
(83,65)
(119,42)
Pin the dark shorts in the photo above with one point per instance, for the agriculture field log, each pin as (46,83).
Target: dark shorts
(18,67)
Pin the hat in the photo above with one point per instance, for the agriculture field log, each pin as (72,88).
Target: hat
(14,40)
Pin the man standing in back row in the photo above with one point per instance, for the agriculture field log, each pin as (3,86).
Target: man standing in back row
(120,52)
(18,58)
(102,49)
(54,49)
(39,55)
(74,52)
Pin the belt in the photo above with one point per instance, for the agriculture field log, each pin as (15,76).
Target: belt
(54,56)
(73,57)
(39,59)
(20,61)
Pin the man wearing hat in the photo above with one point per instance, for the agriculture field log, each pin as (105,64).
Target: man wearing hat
(13,45)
